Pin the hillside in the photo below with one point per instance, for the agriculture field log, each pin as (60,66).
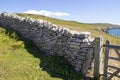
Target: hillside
(20,59)
(95,29)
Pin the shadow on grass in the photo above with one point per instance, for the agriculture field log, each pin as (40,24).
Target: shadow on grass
(55,65)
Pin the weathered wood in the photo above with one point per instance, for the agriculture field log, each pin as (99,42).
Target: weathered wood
(108,46)
(115,74)
(112,46)
(112,67)
(118,59)
(107,50)
(97,57)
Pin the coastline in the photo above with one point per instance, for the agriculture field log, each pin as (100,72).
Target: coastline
(109,28)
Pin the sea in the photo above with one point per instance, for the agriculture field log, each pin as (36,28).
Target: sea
(115,32)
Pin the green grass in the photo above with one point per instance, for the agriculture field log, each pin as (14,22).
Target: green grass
(20,59)
(95,29)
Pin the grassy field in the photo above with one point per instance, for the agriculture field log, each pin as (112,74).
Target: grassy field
(20,59)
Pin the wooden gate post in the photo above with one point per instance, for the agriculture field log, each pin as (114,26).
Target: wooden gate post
(97,57)
(107,51)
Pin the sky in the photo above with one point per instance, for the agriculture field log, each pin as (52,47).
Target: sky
(87,11)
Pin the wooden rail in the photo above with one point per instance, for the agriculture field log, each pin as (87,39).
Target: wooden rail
(111,46)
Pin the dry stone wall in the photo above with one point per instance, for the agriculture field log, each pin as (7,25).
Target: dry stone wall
(73,45)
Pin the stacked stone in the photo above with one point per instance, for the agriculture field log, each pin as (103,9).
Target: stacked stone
(79,45)
(51,38)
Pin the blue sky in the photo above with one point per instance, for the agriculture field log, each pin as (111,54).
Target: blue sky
(87,11)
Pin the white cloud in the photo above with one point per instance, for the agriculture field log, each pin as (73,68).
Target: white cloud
(47,13)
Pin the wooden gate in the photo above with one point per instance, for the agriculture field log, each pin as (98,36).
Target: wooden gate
(106,64)
(111,70)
